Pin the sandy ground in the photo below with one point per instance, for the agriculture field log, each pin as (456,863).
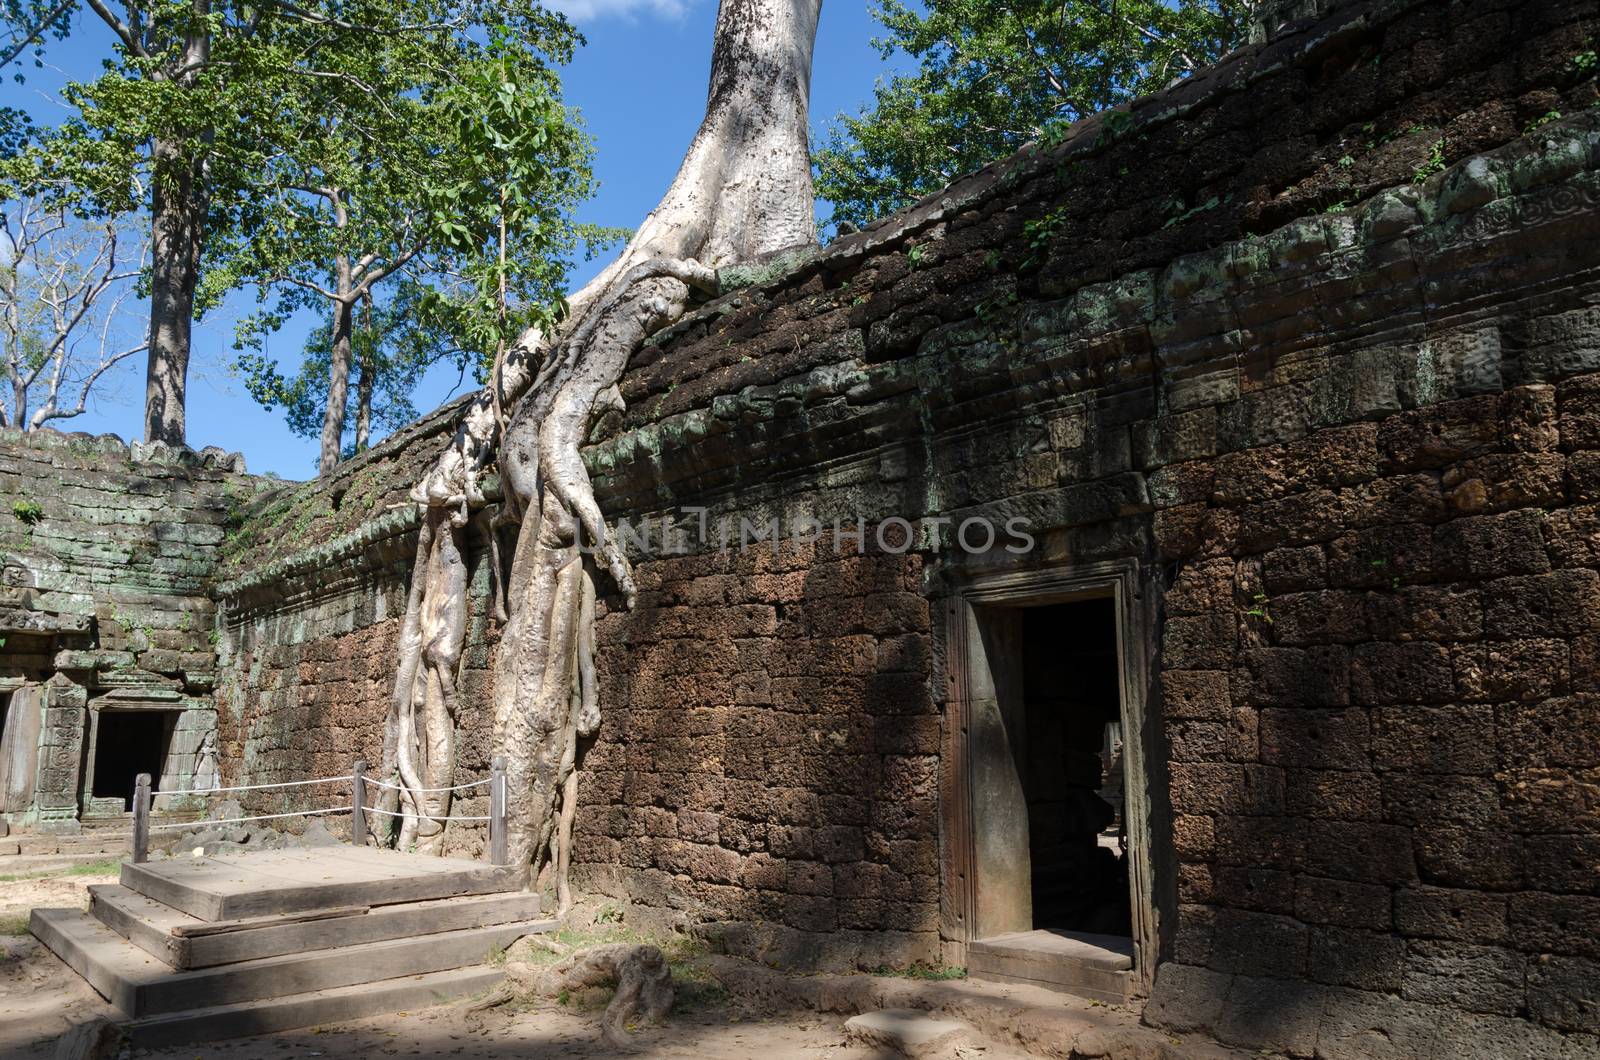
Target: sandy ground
(41,998)
(19,896)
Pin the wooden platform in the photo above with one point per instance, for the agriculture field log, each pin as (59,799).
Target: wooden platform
(195,949)
(274,882)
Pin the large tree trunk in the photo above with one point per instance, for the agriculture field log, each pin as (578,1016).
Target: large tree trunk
(369,369)
(338,383)
(177,229)
(742,191)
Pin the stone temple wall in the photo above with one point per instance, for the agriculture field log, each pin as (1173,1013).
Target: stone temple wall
(1310,346)
(105,600)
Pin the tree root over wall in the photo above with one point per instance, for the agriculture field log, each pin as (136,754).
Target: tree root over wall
(742,192)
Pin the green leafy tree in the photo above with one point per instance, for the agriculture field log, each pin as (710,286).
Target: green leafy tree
(201,101)
(993,75)
(390,354)
(461,186)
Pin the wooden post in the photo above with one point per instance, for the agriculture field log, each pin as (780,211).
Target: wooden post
(141,818)
(358,803)
(498,853)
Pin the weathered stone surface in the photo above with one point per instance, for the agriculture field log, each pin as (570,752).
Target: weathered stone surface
(904,1032)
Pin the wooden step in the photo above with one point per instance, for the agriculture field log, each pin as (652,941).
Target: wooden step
(1098,967)
(186,942)
(274,882)
(140,985)
(311,1009)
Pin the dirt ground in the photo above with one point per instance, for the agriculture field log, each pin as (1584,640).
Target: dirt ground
(41,998)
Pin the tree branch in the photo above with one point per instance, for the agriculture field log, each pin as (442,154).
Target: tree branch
(34,33)
(120,28)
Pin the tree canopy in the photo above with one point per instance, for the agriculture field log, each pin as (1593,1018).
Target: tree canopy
(992,76)
(229,121)
(454,169)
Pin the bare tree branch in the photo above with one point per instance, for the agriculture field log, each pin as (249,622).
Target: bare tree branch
(62,292)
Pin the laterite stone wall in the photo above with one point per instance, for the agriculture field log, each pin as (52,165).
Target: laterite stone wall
(1312,342)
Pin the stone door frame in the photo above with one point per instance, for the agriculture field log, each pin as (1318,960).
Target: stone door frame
(1118,580)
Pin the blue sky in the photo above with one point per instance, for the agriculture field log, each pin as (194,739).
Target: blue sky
(640,85)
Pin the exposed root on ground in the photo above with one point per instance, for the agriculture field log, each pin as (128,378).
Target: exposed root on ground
(639,973)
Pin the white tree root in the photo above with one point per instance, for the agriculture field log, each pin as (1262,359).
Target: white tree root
(643,982)
(742,191)
(419,739)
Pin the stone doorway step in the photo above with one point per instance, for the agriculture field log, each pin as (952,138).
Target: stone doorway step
(200,949)
(1097,967)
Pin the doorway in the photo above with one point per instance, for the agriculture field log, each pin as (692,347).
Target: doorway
(127,743)
(1069,757)
(1046,812)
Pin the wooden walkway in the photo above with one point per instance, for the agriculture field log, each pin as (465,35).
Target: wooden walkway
(194,949)
(275,882)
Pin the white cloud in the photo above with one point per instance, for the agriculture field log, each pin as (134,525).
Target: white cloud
(591,10)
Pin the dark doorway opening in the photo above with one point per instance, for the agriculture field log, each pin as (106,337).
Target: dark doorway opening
(1070,765)
(127,743)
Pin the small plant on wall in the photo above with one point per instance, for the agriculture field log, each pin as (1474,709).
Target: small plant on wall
(30,512)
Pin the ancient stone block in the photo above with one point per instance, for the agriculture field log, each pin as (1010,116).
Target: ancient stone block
(1450,913)
(1318,900)
(1200,695)
(1199,642)
(1321,617)
(1289,570)
(1259,944)
(1294,677)
(1187,998)
(1562,603)
(1450,739)
(1463,857)
(1257,889)
(1561,993)
(1491,546)
(1365,960)
(1440,434)
(1233,740)
(1401,673)
(1514,670)
(1211,788)
(1551,732)
(1282,1016)
(1477,978)
(1424,614)
(1359,851)
(1316,739)
(1555,923)
(1565,863)
(1384,557)
(1264,842)
(1338,795)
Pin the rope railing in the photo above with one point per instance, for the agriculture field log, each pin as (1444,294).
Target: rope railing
(263,787)
(454,787)
(357,808)
(427,816)
(241,820)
